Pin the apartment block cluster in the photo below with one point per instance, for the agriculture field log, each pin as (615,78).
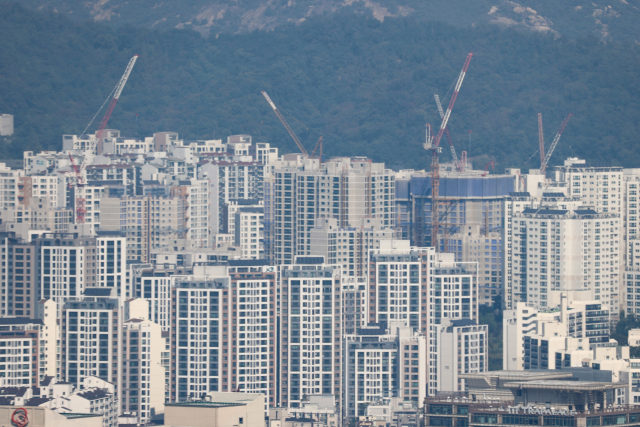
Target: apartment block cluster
(161,270)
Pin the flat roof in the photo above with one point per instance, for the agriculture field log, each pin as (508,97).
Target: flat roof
(566,385)
(518,375)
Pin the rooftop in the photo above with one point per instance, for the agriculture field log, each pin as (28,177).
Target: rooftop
(566,385)
(518,375)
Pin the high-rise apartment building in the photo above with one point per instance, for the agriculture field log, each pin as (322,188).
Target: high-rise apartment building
(249,232)
(231,180)
(224,334)
(90,329)
(194,194)
(553,249)
(19,282)
(471,244)
(464,349)
(310,330)
(383,363)
(421,288)
(348,247)
(143,375)
(345,189)
(21,351)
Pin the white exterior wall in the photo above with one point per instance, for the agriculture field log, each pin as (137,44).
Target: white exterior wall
(111,260)
(145,370)
(463,350)
(565,253)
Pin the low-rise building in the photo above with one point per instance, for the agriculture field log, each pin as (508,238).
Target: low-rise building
(218,409)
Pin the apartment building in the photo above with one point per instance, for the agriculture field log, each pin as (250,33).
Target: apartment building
(464,349)
(348,247)
(143,375)
(472,244)
(19,282)
(88,197)
(90,329)
(468,198)
(420,288)
(383,363)
(122,174)
(599,187)
(310,330)
(342,188)
(195,197)
(574,250)
(228,218)
(230,180)
(249,232)
(526,328)
(223,334)
(21,349)
(38,214)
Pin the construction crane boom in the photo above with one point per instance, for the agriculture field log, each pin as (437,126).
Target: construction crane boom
(286,125)
(318,146)
(434,146)
(80,201)
(447,114)
(116,95)
(454,156)
(541,143)
(545,162)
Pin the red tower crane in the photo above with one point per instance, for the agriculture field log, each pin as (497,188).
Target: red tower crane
(81,201)
(435,149)
(454,156)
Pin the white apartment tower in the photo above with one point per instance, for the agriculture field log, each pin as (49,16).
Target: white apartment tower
(143,375)
(573,250)
(310,330)
(463,350)
(343,188)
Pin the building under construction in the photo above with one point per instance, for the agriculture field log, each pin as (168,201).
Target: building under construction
(465,198)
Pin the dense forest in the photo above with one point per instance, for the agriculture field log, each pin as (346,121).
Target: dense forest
(366,86)
(575,18)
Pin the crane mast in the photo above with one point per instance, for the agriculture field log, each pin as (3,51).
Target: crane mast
(81,201)
(434,146)
(545,162)
(541,144)
(285,124)
(454,156)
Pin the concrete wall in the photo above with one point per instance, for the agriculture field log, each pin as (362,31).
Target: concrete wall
(252,415)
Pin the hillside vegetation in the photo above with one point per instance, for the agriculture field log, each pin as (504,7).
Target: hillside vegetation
(615,20)
(366,86)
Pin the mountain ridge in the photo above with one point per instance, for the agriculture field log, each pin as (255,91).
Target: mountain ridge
(366,86)
(574,18)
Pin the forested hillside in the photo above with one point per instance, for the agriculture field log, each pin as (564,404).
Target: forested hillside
(617,20)
(366,86)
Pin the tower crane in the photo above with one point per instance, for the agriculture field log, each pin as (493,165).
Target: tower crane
(317,148)
(454,156)
(286,125)
(78,170)
(434,147)
(545,161)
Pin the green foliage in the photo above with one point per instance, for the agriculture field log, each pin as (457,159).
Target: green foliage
(620,331)
(366,86)
(492,316)
(575,18)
